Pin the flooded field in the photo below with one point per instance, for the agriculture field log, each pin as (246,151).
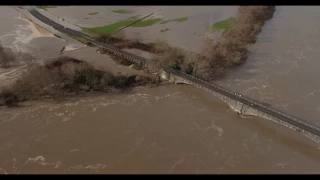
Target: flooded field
(173,128)
(182,26)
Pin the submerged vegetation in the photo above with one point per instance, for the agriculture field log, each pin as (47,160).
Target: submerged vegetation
(65,76)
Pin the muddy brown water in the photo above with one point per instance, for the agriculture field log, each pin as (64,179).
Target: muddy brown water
(179,128)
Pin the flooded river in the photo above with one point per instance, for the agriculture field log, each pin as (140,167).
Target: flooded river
(179,128)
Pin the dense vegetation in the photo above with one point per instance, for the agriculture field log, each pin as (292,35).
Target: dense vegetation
(63,77)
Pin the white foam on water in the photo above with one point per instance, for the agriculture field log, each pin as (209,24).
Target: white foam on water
(90,167)
(3,170)
(74,150)
(42,161)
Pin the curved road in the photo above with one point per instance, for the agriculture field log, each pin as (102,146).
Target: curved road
(302,125)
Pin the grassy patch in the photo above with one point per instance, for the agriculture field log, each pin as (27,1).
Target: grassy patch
(174,20)
(164,30)
(148,22)
(93,13)
(45,7)
(121,11)
(221,25)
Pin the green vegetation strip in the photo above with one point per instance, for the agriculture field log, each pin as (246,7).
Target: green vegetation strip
(174,20)
(93,13)
(45,7)
(121,11)
(221,25)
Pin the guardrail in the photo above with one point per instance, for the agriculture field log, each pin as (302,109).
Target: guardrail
(201,83)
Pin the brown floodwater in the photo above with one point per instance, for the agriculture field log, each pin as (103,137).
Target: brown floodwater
(167,129)
(179,128)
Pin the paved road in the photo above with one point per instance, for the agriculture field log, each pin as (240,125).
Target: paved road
(200,83)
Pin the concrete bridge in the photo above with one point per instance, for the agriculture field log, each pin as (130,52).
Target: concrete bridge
(238,102)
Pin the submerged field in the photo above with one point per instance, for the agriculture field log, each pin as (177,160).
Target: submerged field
(181,26)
